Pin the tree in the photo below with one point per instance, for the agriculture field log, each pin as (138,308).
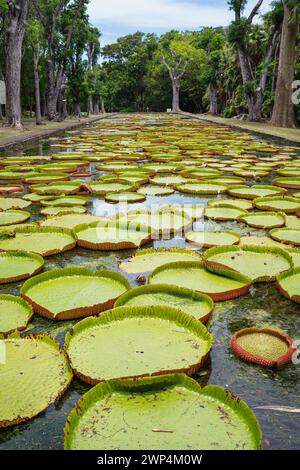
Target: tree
(240,29)
(58,46)
(93,52)
(34,40)
(177,53)
(15,29)
(283,111)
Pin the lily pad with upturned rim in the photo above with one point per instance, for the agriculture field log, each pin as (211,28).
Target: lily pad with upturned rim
(56,189)
(65,201)
(264,219)
(210,238)
(288,284)
(70,221)
(254,192)
(224,212)
(12,217)
(160,222)
(112,235)
(135,342)
(147,260)
(266,347)
(286,235)
(154,190)
(202,188)
(46,241)
(45,178)
(261,264)
(56,211)
(243,204)
(35,375)
(18,265)
(8,203)
(125,197)
(70,293)
(224,285)
(288,183)
(169,412)
(260,241)
(192,303)
(289,205)
(10,189)
(15,314)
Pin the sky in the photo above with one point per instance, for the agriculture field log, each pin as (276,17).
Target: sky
(117,18)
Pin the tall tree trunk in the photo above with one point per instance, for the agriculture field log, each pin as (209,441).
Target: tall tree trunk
(102,106)
(283,111)
(90,105)
(213,106)
(38,113)
(77,109)
(176,92)
(96,107)
(1,114)
(247,78)
(17,15)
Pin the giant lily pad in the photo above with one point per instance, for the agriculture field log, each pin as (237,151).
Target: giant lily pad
(15,314)
(260,241)
(243,204)
(102,188)
(224,285)
(131,342)
(148,260)
(224,212)
(171,180)
(56,189)
(65,201)
(70,220)
(165,220)
(286,235)
(168,412)
(210,238)
(9,189)
(288,284)
(68,293)
(56,211)
(188,301)
(13,203)
(18,265)
(264,219)
(45,178)
(289,183)
(125,197)
(13,217)
(261,264)
(36,374)
(202,188)
(289,205)
(46,241)
(153,190)
(256,191)
(111,235)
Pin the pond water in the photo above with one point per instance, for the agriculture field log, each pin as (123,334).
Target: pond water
(257,386)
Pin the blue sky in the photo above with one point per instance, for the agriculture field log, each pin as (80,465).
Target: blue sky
(116,18)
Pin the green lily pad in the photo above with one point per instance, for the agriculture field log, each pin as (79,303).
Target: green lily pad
(36,198)
(202,188)
(194,275)
(8,189)
(164,221)
(295,255)
(154,190)
(286,235)
(65,294)
(188,301)
(171,180)
(46,241)
(168,412)
(13,217)
(289,284)
(289,183)
(261,264)
(193,211)
(238,203)
(289,205)
(47,178)
(54,211)
(15,314)
(56,189)
(291,221)
(111,235)
(264,219)
(13,203)
(65,201)
(18,265)
(148,260)
(36,374)
(224,212)
(125,197)
(131,342)
(210,238)
(256,191)
(70,221)
(260,241)
(101,189)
